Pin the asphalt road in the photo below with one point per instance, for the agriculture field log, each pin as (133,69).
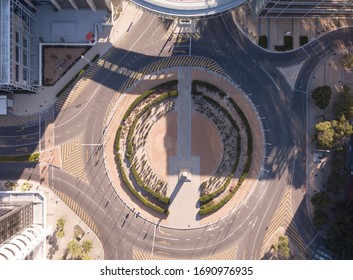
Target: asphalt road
(283,114)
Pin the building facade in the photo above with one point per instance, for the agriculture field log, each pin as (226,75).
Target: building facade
(23,229)
(302,8)
(18,41)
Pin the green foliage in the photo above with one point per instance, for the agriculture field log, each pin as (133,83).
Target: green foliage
(325,135)
(146,94)
(320,218)
(344,103)
(334,133)
(75,249)
(60,225)
(347,60)
(87,246)
(135,193)
(142,184)
(211,206)
(117,138)
(287,44)
(322,96)
(282,250)
(11,185)
(263,42)
(303,40)
(28,157)
(26,186)
(320,200)
(335,183)
(340,237)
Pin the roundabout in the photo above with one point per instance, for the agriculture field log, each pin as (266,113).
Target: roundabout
(187,147)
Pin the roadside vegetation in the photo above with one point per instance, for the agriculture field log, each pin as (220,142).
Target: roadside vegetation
(332,212)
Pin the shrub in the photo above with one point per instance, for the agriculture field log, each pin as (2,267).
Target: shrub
(142,184)
(303,40)
(322,96)
(287,44)
(26,186)
(137,194)
(263,42)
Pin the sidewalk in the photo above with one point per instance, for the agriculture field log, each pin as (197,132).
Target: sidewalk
(28,104)
(330,73)
(246,188)
(55,210)
(276,28)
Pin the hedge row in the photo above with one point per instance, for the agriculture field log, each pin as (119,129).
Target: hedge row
(117,138)
(211,206)
(210,196)
(142,184)
(225,112)
(144,96)
(29,157)
(137,194)
(130,152)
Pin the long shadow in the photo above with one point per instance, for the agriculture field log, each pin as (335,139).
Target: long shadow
(176,190)
(122,64)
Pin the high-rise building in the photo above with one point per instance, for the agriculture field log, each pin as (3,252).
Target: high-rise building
(18,70)
(23,229)
(302,8)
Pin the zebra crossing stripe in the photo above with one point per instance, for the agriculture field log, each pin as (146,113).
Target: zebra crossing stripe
(78,211)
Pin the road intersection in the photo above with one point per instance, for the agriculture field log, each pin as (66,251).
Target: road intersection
(149,45)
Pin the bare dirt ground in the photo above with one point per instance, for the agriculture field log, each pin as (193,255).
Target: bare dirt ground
(206,144)
(57,61)
(161,143)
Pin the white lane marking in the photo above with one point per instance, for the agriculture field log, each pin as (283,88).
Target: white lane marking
(168,238)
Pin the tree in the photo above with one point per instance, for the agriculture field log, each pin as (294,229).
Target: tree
(322,96)
(347,60)
(281,249)
(75,249)
(340,237)
(320,200)
(324,135)
(343,129)
(334,133)
(60,224)
(87,246)
(335,183)
(344,103)
(320,218)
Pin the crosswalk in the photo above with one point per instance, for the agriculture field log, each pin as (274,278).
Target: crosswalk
(71,158)
(74,91)
(226,255)
(78,211)
(12,120)
(170,62)
(284,218)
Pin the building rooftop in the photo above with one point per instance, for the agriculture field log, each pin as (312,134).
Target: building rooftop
(188,8)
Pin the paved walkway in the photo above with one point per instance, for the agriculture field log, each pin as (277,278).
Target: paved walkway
(330,72)
(184,195)
(55,209)
(184,191)
(28,104)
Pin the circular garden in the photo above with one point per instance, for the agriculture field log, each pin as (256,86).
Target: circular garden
(222,140)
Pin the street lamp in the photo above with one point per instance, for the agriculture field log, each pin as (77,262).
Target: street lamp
(85,58)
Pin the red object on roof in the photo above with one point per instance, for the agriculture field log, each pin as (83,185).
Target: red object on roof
(89,37)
